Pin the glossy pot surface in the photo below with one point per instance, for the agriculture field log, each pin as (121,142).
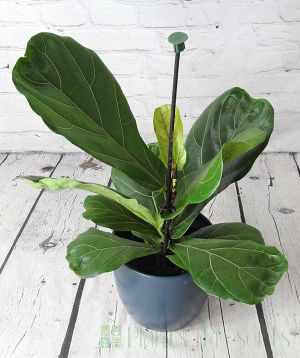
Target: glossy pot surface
(161,302)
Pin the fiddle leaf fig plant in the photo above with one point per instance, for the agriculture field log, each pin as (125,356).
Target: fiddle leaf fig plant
(77,97)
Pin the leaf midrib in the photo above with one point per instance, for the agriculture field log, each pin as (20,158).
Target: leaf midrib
(222,258)
(93,122)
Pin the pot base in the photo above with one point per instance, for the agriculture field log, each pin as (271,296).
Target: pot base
(159,303)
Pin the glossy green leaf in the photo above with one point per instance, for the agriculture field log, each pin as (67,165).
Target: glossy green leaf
(152,240)
(235,123)
(152,200)
(230,231)
(94,252)
(128,187)
(227,231)
(240,270)
(199,185)
(111,214)
(77,96)
(161,122)
(130,204)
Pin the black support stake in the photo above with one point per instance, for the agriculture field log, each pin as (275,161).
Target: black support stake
(177,39)
(171,135)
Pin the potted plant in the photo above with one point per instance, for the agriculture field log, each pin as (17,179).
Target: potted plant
(166,256)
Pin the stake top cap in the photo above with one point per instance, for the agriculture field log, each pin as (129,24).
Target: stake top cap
(178,39)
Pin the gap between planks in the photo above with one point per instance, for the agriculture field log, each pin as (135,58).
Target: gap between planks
(259,309)
(58,213)
(65,348)
(94,311)
(242,215)
(27,218)
(270,197)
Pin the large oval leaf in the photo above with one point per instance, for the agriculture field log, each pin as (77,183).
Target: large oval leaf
(94,252)
(240,270)
(128,187)
(198,185)
(234,123)
(238,125)
(78,97)
(161,123)
(229,231)
(152,200)
(111,214)
(132,205)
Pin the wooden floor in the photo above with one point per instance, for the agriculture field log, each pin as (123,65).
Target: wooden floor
(46,311)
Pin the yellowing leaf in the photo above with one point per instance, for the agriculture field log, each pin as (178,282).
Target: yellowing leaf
(132,205)
(161,122)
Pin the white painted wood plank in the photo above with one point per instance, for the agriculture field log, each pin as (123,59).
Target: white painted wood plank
(224,323)
(100,311)
(100,307)
(241,323)
(240,326)
(37,288)
(17,199)
(101,314)
(270,198)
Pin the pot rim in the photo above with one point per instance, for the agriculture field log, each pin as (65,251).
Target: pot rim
(163,277)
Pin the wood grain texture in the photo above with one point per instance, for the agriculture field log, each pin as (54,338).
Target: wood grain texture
(16,199)
(101,313)
(270,199)
(37,288)
(224,328)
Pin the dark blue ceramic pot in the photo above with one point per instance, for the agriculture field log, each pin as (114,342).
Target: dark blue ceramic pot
(157,302)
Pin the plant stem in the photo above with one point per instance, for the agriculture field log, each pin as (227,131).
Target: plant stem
(169,179)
